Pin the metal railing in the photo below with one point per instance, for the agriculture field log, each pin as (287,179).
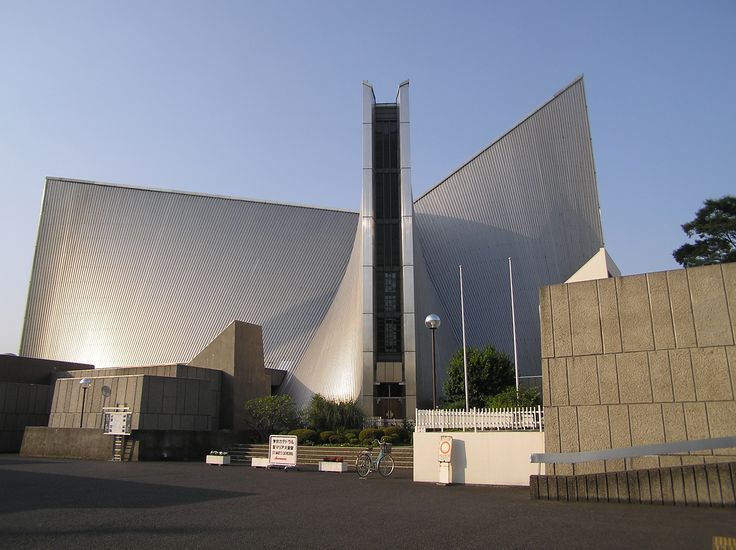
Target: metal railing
(656,449)
(512,419)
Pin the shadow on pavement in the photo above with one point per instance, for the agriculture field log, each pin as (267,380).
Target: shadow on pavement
(34,491)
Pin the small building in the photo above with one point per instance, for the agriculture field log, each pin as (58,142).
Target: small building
(176,411)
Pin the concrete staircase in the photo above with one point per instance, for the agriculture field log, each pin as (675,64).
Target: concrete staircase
(311,455)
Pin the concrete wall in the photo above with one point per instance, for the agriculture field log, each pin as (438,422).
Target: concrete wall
(92,444)
(67,443)
(237,353)
(30,370)
(696,485)
(482,458)
(639,360)
(25,395)
(156,402)
(21,405)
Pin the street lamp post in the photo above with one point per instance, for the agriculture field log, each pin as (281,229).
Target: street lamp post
(85,383)
(433,323)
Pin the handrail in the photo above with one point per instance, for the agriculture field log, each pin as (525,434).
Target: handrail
(631,452)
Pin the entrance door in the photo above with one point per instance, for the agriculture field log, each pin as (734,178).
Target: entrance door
(390,408)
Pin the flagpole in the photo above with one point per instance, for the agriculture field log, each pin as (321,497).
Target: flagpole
(513,324)
(465,352)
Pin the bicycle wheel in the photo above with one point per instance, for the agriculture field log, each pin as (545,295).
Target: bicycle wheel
(363,464)
(386,466)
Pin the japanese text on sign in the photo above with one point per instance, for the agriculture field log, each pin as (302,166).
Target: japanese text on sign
(282,450)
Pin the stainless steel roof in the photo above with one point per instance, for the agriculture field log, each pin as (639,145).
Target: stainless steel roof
(131,276)
(531,195)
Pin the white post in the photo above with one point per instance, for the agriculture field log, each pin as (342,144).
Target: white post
(465,351)
(539,416)
(513,324)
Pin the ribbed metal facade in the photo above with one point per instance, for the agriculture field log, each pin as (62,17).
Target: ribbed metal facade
(530,195)
(128,276)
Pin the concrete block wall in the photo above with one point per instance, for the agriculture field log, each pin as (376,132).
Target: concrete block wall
(179,371)
(105,391)
(156,402)
(177,404)
(21,405)
(640,360)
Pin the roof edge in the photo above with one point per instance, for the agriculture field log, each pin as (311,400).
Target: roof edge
(195,194)
(579,78)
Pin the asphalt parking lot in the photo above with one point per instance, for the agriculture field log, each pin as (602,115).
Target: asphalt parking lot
(47,503)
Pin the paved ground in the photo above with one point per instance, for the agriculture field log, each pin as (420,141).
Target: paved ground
(84,504)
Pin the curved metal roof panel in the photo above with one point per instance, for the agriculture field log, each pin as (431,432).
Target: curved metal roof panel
(530,195)
(130,276)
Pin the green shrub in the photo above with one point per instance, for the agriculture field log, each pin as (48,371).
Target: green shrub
(305,436)
(402,435)
(369,434)
(324,437)
(336,439)
(393,439)
(324,414)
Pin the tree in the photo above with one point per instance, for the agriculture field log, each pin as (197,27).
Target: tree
(714,229)
(489,372)
(271,414)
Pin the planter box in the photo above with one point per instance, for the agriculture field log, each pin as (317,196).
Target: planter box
(339,467)
(219,460)
(259,462)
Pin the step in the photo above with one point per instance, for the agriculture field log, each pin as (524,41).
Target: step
(308,454)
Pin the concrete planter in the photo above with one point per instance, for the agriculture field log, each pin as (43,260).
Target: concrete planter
(218,459)
(339,467)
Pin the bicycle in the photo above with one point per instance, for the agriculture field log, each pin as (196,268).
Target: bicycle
(384,462)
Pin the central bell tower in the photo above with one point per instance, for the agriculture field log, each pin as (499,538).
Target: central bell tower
(389,351)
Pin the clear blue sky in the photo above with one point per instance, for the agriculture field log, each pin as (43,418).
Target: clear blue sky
(263,100)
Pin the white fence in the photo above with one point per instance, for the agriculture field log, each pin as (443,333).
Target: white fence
(521,418)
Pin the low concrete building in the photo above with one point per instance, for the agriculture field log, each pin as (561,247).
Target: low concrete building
(177,411)
(26,388)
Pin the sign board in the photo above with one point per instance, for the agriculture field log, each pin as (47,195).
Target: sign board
(117,423)
(282,450)
(445,448)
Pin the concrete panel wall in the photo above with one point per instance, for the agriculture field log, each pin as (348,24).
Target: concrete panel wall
(640,360)
(482,458)
(156,402)
(237,353)
(30,370)
(21,405)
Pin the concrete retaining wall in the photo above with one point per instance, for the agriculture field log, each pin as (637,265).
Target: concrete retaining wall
(480,458)
(698,485)
(40,441)
(93,444)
